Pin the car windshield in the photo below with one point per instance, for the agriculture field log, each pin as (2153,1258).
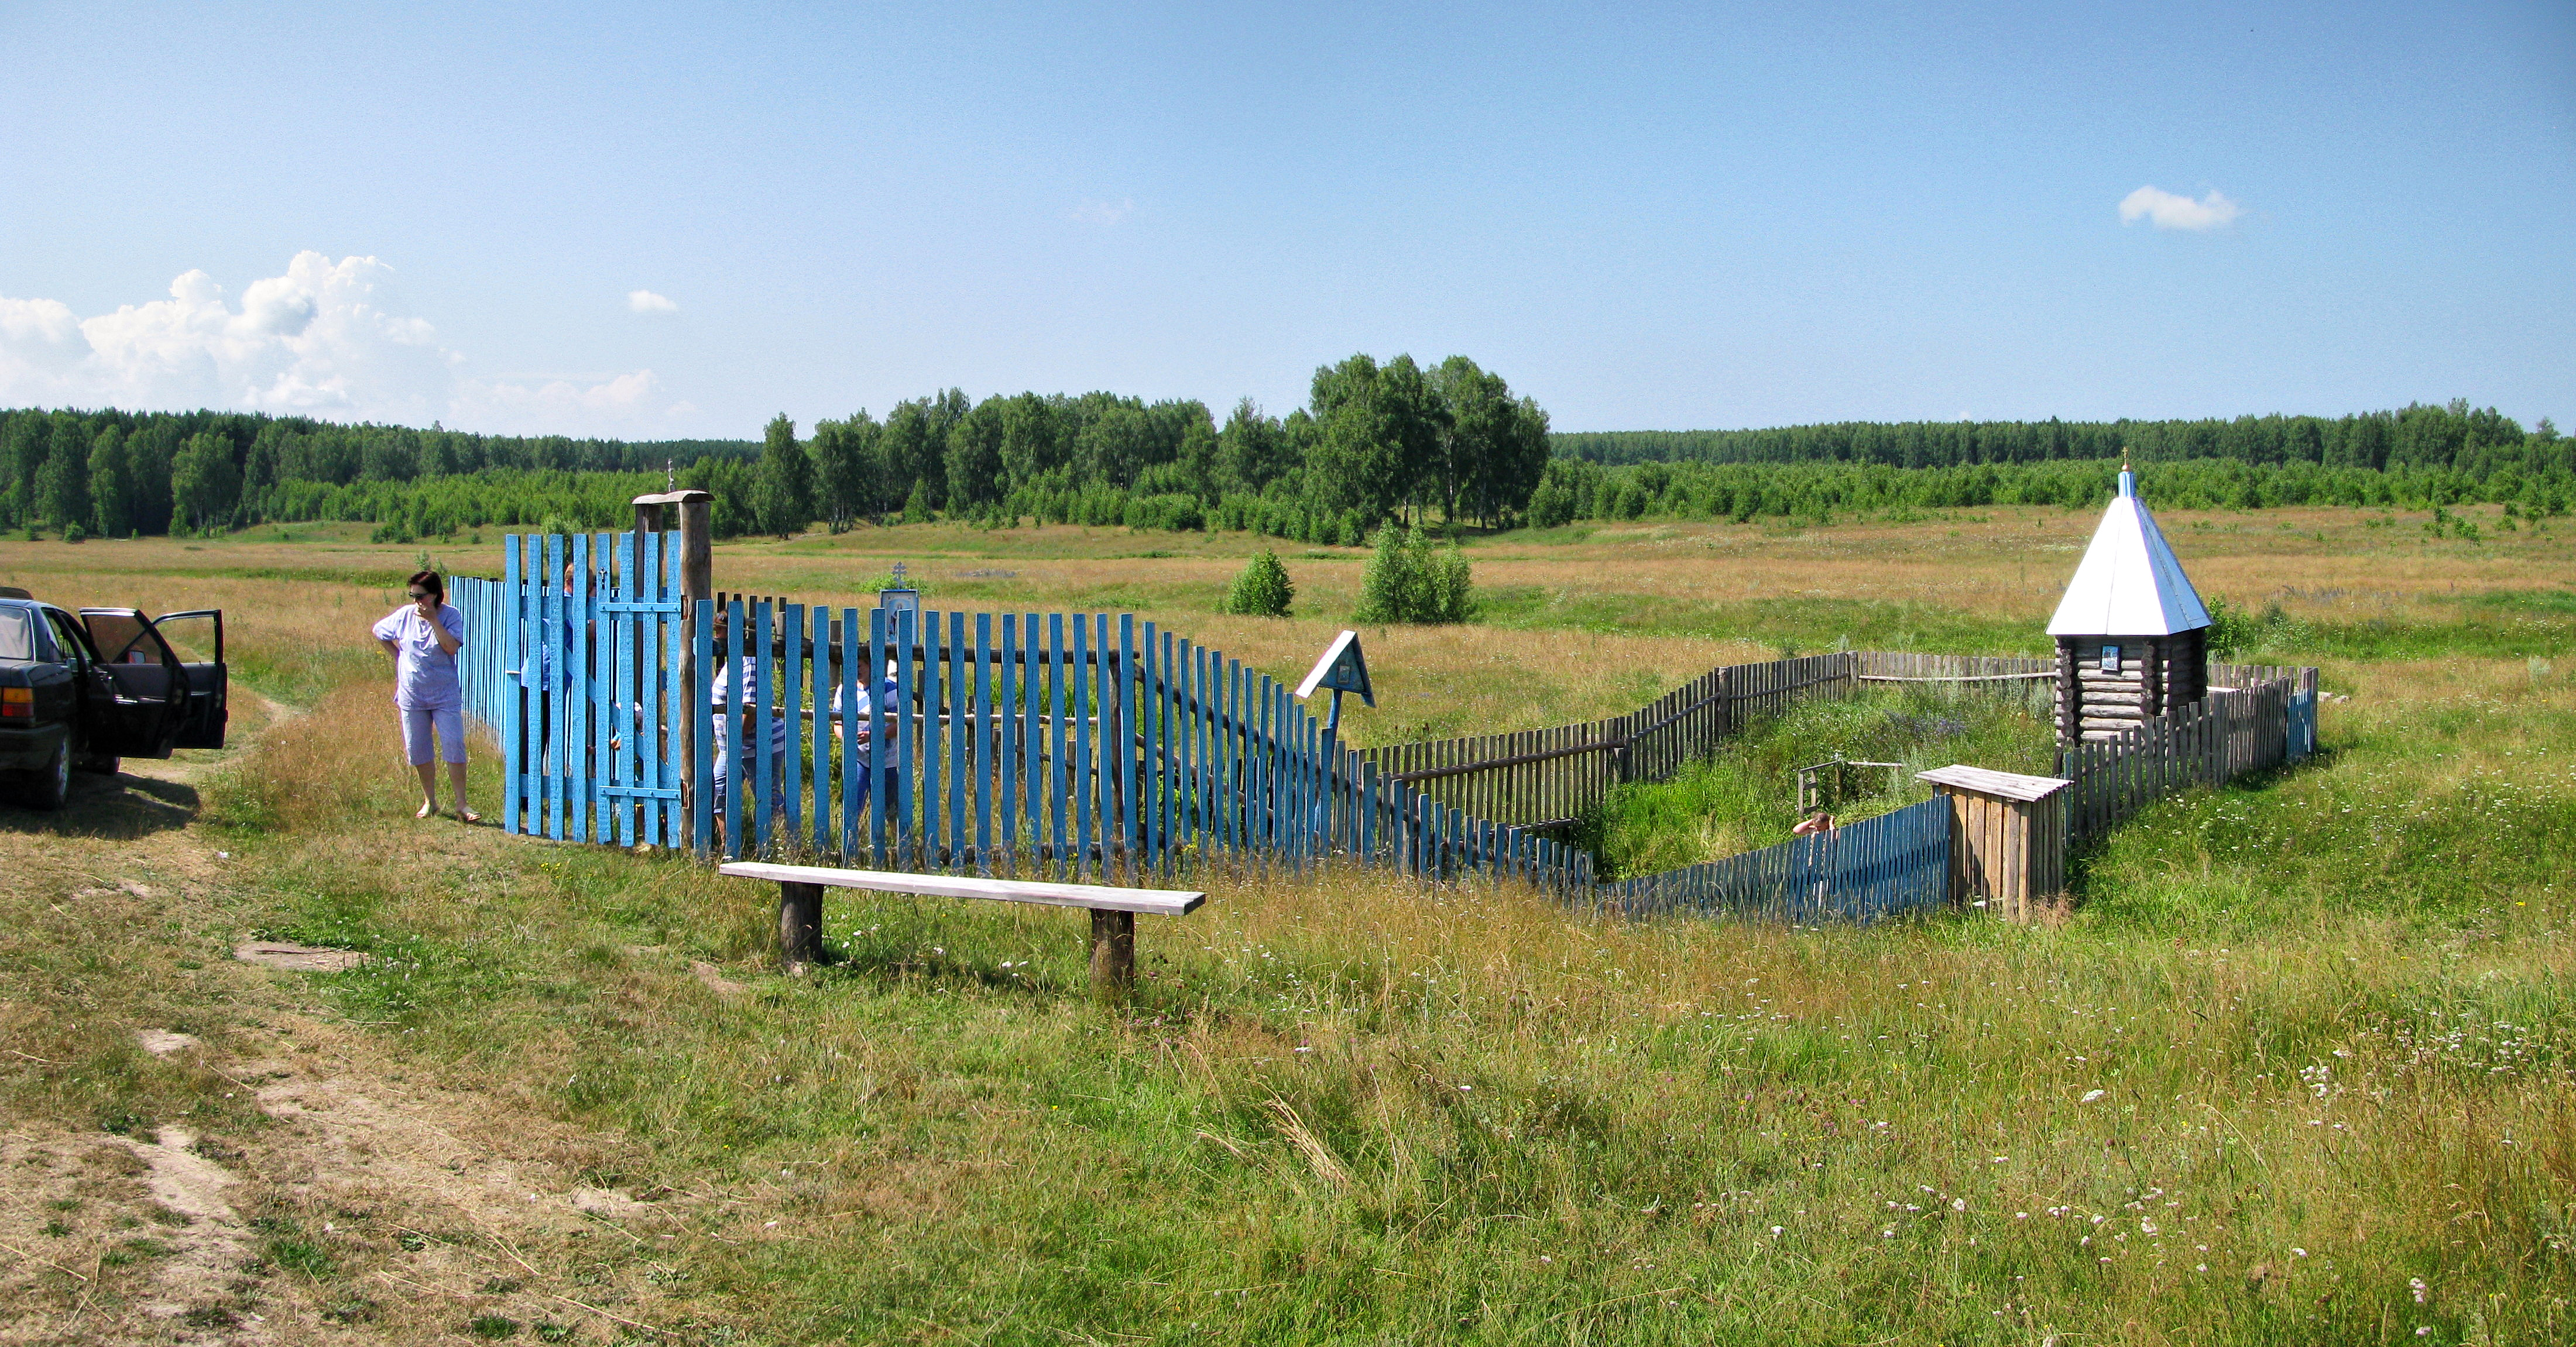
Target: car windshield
(17,634)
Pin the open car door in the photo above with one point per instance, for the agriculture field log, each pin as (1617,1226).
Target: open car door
(200,632)
(148,686)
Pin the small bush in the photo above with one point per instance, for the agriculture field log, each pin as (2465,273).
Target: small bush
(75,531)
(1262,590)
(1407,582)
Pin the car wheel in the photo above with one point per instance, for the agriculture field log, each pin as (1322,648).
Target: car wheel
(51,784)
(102,763)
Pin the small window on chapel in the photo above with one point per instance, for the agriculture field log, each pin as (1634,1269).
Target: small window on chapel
(2110,659)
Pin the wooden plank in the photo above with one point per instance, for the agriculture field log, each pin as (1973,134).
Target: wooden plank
(549,605)
(702,766)
(1059,676)
(856,673)
(1010,723)
(1159,709)
(1098,898)
(764,704)
(820,685)
(514,717)
(1085,777)
(960,726)
(890,637)
(791,681)
(1130,831)
(736,624)
(980,734)
(933,758)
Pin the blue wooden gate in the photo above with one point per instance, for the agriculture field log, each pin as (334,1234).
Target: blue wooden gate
(589,686)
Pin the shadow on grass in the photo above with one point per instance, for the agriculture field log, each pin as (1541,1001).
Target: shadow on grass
(117,808)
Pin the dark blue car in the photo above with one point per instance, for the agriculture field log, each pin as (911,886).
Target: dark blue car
(79,691)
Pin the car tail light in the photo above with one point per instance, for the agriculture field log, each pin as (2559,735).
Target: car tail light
(18,702)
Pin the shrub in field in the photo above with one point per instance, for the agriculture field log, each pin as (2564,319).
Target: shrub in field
(1262,590)
(2236,632)
(1407,582)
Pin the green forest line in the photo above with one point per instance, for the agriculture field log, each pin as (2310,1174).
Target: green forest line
(1376,442)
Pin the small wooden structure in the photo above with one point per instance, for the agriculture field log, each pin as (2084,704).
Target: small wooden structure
(2007,838)
(1113,910)
(2131,631)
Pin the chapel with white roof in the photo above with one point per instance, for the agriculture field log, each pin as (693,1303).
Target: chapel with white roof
(2132,635)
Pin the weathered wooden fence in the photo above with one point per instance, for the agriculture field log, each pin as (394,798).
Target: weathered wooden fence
(2264,717)
(1547,778)
(1896,862)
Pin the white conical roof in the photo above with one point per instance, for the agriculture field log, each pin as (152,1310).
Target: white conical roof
(2129,584)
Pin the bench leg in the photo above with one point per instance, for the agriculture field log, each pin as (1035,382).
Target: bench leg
(1113,955)
(800,923)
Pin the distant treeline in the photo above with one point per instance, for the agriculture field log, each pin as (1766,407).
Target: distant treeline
(1374,442)
(122,473)
(1575,489)
(2474,442)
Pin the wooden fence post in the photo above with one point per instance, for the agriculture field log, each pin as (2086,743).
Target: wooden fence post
(697,581)
(800,923)
(1113,956)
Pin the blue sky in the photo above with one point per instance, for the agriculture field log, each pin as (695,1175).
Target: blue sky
(1645,217)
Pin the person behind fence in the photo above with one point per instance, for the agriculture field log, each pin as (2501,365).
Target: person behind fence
(1817,822)
(552,652)
(855,726)
(742,672)
(424,636)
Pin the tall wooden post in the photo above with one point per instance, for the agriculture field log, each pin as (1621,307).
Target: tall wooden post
(697,581)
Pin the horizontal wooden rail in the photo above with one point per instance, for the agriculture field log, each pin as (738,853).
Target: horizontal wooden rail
(1962,678)
(1496,764)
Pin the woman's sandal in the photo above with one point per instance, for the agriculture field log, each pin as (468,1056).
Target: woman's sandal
(468,816)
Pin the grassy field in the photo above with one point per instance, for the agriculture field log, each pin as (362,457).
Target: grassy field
(2295,1070)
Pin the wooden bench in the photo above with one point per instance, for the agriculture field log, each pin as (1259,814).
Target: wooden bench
(1113,910)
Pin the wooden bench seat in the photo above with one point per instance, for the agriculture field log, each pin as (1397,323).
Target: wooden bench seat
(1113,909)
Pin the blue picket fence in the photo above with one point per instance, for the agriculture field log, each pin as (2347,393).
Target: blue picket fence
(1082,746)
(1896,862)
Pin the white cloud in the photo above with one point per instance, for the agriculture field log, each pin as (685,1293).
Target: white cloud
(326,339)
(2169,211)
(645,301)
(1102,212)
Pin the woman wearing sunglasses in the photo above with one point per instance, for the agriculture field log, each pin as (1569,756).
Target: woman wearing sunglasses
(423,636)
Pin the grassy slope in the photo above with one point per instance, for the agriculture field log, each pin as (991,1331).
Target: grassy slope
(2327,1014)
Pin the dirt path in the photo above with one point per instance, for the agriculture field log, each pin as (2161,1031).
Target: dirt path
(293,1180)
